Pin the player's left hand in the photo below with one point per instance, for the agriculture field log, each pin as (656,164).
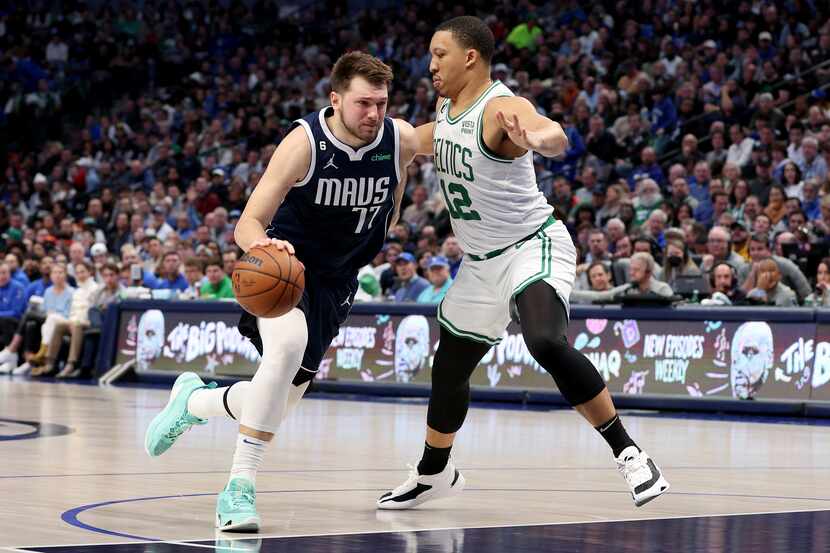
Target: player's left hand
(519,136)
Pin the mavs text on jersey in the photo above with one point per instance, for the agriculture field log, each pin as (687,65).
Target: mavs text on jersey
(338,215)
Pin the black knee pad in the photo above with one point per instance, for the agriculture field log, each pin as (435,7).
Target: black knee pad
(575,376)
(454,363)
(448,402)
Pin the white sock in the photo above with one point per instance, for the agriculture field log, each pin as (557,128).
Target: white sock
(247,457)
(210,402)
(250,451)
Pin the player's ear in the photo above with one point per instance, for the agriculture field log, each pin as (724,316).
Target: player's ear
(335,99)
(472,56)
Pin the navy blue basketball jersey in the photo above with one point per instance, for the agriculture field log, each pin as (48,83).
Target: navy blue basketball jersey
(338,215)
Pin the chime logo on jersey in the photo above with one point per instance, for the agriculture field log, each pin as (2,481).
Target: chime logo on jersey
(352,192)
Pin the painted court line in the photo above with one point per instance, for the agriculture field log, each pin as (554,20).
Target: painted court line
(302,471)
(533,524)
(71,516)
(187,544)
(437,529)
(29,548)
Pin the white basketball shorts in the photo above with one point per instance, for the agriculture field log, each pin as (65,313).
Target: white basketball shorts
(477,305)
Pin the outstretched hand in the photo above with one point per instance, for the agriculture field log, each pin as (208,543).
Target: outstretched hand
(518,135)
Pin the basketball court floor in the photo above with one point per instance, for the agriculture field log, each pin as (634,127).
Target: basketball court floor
(74,477)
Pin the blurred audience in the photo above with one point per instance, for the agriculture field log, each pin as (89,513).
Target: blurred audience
(137,155)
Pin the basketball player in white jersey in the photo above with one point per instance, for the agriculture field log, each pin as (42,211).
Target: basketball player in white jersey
(516,252)
(330,193)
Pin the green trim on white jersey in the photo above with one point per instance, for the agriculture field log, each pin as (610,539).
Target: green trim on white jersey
(493,201)
(453,120)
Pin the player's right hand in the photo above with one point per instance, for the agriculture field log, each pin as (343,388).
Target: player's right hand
(280,244)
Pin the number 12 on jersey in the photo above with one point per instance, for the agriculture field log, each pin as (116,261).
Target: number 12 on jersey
(362,221)
(458,201)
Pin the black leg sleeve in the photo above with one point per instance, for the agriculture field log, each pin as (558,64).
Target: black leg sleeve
(544,323)
(455,361)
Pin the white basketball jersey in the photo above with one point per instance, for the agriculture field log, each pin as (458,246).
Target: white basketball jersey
(493,202)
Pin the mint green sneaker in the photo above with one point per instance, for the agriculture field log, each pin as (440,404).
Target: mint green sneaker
(236,508)
(174,420)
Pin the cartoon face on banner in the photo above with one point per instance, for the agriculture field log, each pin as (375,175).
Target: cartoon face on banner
(699,358)
(752,358)
(150,339)
(411,347)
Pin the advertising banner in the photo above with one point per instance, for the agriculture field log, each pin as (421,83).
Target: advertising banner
(821,363)
(751,359)
(169,341)
(748,359)
(689,358)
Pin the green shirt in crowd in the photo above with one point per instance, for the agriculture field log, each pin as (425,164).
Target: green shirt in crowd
(523,36)
(222,290)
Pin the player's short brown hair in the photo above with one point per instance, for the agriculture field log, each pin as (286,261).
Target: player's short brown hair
(359,64)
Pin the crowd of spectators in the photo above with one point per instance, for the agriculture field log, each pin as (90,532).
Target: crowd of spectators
(699,143)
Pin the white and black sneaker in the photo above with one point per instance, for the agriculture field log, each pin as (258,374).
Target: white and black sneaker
(419,488)
(642,476)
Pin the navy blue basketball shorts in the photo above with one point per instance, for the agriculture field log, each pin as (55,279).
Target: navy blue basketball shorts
(326,304)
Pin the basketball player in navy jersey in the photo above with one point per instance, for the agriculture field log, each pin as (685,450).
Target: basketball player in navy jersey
(329,195)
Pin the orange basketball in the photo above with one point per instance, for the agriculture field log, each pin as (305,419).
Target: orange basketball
(268,282)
